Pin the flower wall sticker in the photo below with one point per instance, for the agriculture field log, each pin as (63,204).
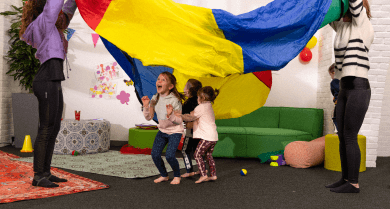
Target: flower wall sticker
(105,87)
(124,97)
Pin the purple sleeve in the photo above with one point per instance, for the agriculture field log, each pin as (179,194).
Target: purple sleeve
(69,7)
(52,10)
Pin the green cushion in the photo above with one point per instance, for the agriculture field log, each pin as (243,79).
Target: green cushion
(262,144)
(264,117)
(274,132)
(267,129)
(303,119)
(230,145)
(142,138)
(229,129)
(228,122)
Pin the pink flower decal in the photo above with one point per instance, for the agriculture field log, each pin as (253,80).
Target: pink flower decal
(124,97)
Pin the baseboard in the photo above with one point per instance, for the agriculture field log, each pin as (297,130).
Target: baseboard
(118,143)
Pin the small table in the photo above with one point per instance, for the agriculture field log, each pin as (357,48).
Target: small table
(84,136)
(332,153)
(142,138)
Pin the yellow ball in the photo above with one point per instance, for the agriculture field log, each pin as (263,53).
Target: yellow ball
(312,43)
(243,172)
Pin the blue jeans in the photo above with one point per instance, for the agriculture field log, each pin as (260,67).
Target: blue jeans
(159,143)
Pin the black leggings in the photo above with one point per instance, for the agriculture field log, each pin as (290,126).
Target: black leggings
(49,94)
(351,108)
(189,147)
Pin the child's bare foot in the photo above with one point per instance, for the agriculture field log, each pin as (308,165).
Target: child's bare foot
(176,180)
(202,179)
(212,178)
(187,175)
(198,172)
(161,179)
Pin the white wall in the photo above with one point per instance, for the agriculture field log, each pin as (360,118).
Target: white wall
(379,56)
(297,85)
(384,132)
(7,84)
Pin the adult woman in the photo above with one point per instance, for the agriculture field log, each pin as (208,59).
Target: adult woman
(354,36)
(42,27)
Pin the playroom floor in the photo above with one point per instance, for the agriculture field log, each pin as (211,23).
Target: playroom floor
(263,187)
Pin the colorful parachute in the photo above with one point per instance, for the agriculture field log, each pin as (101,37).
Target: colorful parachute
(232,53)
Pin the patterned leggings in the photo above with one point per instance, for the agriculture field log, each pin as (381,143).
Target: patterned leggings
(205,147)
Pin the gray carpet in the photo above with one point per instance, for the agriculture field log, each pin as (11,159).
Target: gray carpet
(264,187)
(111,163)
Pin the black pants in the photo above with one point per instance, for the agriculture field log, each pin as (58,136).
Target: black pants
(351,108)
(50,98)
(189,147)
(334,118)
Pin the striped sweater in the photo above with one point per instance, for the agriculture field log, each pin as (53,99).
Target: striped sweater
(352,42)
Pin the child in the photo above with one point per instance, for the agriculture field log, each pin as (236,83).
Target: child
(43,24)
(205,130)
(334,88)
(189,145)
(169,131)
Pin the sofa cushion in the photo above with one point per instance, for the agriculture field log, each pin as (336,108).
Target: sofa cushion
(274,132)
(263,140)
(232,130)
(230,145)
(228,122)
(264,117)
(304,119)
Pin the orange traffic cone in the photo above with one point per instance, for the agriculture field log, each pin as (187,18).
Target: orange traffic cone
(27,146)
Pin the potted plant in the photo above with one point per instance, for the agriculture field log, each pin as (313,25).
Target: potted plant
(23,67)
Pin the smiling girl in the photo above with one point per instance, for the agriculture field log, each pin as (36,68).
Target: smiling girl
(170,131)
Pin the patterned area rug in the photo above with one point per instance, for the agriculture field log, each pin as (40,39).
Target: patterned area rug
(16,178)
(111,163)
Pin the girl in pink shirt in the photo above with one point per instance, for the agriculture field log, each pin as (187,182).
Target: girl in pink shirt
(205,130)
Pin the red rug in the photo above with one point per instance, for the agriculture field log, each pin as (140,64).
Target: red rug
(128,149)
(16,178)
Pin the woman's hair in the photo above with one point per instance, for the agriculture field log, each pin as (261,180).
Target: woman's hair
(32,10)
(194,87)
(331,68)
(367,6)
(368,11)
(208,93)
(172,80)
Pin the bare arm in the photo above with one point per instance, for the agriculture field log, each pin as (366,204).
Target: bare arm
(188,117)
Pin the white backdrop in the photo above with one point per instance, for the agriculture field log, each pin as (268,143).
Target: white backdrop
(293,86)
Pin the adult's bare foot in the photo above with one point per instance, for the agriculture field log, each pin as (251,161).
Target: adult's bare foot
(202,179)
(187,175)
(176,180)
(161,179)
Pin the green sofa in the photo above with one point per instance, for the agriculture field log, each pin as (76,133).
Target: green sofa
(267,129)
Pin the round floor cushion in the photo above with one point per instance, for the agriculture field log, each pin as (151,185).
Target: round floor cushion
(303,154)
